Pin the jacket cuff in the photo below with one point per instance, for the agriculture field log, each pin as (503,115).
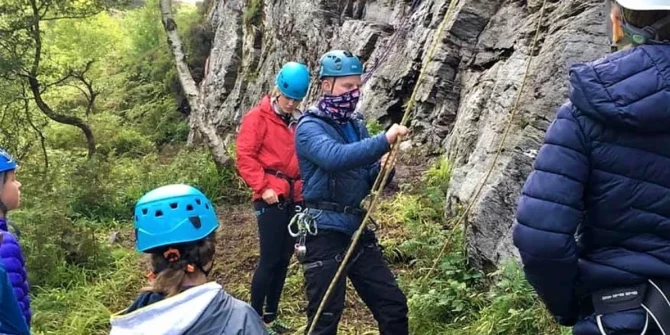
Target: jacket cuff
(382,144)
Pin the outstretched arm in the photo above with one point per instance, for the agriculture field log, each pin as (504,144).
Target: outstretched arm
(313,143)
(549,211)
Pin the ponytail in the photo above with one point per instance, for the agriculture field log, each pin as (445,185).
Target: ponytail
(172,264)
(275,92)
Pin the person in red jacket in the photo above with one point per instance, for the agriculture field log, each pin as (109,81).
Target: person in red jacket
(267,162)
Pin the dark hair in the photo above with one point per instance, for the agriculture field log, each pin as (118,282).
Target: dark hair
(171,264)
(645,18)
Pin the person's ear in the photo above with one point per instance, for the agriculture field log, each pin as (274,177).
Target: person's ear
(326,85)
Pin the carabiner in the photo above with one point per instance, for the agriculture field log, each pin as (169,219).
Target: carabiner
(310,226)
(294,221)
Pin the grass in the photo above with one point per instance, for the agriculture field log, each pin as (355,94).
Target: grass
(79,297)
(85,308)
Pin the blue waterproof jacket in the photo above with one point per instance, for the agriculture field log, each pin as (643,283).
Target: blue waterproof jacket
(338,164)
(595,212)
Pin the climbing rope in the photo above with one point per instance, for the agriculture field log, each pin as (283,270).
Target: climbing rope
(386,169)
(515,107)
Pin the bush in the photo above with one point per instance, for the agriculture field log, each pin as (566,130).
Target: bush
(456,299)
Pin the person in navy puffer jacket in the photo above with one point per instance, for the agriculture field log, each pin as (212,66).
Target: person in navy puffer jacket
(10,250)
(339,163)
(594,215)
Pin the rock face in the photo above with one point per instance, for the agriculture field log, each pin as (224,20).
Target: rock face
(469,87)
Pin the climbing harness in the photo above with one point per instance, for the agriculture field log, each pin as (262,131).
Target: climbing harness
(510,122)
(335,260)
(385,171)
(335,207)
(302,224)
(291,185)
(652,296)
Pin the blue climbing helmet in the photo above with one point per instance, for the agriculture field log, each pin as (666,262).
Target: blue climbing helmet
(7,162)
(173,214)
(339,63)
(293,80)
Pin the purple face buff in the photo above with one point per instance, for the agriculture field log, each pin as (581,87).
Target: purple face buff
(340,107)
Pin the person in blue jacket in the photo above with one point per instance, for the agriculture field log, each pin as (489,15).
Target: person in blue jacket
(176,225)
(11,255)
(593,222)
(339,162)
(12,320)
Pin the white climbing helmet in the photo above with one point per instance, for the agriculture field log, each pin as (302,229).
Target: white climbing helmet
(645,4)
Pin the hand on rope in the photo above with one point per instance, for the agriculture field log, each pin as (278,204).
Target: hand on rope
(384,173)
(515,107)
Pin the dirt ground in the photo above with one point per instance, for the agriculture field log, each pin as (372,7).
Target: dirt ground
(237,254)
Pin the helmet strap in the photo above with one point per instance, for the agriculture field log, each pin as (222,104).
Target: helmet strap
(332,86)
(202,269)
(3,208)
(639,36)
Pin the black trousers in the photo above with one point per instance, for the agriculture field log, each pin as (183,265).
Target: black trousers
(369,274)
(276,246)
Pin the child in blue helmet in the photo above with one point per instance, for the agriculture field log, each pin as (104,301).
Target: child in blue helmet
(176,225)
(339,162)
(10,250)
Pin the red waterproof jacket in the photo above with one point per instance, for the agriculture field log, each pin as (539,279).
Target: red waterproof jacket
(265,145)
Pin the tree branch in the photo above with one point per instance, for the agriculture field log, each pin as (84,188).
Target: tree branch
(35,88)
(92,94)
(70,17)
(26,106)
(57,82)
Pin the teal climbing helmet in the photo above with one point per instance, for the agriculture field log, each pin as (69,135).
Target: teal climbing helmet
(340,63)
(172,214)
(293,80)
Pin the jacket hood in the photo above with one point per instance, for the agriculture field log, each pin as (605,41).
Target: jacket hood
(172,316)
(629,89)
(267,108)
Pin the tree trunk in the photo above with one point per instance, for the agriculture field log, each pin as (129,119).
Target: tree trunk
(190,88)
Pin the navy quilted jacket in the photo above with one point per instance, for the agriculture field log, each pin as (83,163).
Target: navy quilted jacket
(12,260)
(595,212)
(336,168)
